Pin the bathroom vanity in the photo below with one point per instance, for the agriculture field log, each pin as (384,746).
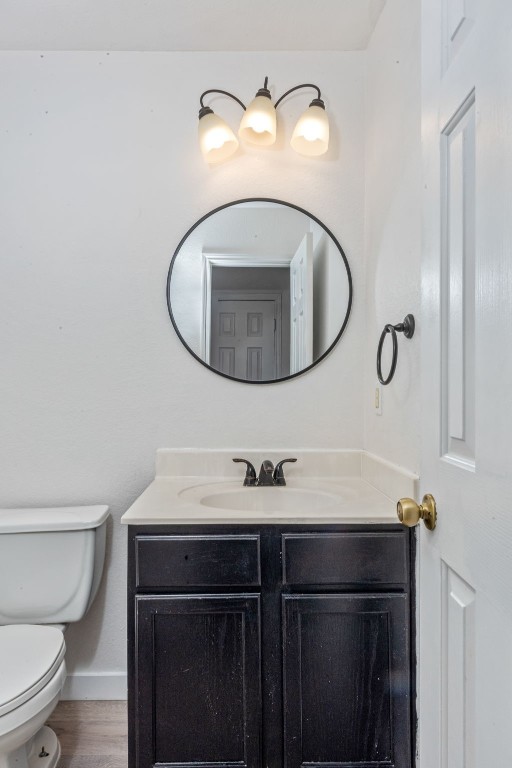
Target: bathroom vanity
(270,642)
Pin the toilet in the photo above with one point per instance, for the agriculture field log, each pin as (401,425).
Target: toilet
(51,562)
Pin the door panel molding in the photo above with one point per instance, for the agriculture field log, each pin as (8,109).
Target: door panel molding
(458,669)
(458,21)
(458,208)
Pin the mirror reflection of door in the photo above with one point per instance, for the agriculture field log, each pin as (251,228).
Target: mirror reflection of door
(301,305)
(244,338)
(249,335)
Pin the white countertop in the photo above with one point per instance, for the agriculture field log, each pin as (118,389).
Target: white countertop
(357,488)
(350,500)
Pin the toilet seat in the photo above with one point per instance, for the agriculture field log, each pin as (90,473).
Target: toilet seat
(30,655)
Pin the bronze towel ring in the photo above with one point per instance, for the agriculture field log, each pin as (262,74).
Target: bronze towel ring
(407,328)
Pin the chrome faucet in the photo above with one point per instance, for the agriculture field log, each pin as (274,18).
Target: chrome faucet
(268,476)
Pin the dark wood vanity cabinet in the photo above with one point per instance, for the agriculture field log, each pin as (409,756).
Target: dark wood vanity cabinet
(270,646)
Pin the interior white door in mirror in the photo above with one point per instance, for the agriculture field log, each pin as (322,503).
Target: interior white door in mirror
(465,565)
(246,330)
(301,305)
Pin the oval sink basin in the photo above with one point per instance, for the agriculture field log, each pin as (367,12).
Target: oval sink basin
(271,501)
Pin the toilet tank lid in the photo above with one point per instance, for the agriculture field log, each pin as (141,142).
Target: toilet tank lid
(52,519)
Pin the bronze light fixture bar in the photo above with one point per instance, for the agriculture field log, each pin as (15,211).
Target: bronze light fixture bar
(258,126)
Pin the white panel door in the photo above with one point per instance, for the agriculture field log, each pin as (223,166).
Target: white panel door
(301,305)
(465,565)
(245,334)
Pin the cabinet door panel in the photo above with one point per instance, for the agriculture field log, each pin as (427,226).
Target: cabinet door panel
(346,681)
(198,681)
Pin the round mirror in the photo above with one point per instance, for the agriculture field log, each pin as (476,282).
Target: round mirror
(259,290)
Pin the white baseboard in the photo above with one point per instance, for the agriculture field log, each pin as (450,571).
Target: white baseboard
(104,686)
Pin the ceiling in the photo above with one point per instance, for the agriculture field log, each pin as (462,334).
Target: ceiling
(188,25)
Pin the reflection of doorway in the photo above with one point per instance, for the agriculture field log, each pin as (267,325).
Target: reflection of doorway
(246,316)
(246,334)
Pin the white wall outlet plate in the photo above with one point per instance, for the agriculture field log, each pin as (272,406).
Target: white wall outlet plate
(378,400)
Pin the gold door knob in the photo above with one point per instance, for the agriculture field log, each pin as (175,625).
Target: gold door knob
(409,513)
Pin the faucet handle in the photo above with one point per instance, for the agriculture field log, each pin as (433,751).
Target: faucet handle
(278,472)
(250,472)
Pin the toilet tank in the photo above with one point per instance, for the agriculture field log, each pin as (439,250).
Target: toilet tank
(51,561)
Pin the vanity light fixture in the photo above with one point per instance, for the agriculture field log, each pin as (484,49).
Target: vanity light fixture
(258,126)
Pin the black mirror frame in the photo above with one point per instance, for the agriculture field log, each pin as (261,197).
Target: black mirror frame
(289,205)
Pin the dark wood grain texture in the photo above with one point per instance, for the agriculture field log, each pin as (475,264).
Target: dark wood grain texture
(365,559)
(346,690)
(198,694)
(334,605)
(198,561)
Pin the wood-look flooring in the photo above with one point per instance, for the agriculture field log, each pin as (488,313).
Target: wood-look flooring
(92,734)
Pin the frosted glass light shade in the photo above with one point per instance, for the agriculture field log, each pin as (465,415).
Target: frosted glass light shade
(258,124)
(311,134)
(216,139)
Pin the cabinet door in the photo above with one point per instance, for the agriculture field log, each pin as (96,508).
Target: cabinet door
(346,680)
(197,686)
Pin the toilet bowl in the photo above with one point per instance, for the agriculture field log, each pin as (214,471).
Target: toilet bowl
(51,561)
(32,673)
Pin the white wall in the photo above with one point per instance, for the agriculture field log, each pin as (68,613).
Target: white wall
(101,177)
(393,227)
